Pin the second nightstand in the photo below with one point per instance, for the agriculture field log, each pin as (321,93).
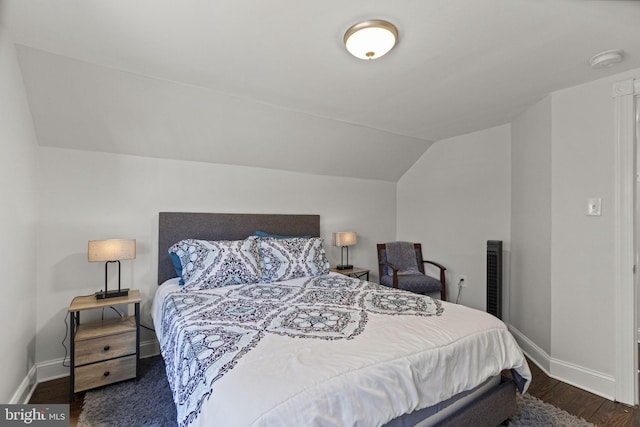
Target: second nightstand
(356,272)
(104,351)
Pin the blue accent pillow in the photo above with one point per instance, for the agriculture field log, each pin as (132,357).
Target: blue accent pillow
(260,233)
(177,265)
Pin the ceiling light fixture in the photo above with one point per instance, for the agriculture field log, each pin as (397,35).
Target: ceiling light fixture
(370,39)
(606,59)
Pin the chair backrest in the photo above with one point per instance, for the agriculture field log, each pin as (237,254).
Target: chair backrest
(382,258)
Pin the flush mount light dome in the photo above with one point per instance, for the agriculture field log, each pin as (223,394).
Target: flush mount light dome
(370,39)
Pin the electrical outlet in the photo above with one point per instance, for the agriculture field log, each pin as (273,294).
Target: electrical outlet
(462,279)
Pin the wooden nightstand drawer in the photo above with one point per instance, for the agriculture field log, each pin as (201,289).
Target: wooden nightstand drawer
(103,348)
(103,373)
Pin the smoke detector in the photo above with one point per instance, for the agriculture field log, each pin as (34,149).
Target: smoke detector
(606,59)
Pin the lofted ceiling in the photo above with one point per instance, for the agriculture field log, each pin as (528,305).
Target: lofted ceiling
(270,84)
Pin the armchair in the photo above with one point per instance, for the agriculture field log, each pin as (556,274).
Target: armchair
(408,273)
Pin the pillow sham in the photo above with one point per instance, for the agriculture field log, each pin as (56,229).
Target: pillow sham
(213,264)
(260,233)
(284,259)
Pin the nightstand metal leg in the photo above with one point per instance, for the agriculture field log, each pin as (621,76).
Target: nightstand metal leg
(137,340)
(75,319)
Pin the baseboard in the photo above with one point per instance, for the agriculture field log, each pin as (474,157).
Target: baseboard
(578,376)
(536,354)
(54,369)
(25,390)
(149,348)
(587,379)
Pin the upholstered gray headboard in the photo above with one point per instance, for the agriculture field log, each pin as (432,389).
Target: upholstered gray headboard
(175,226)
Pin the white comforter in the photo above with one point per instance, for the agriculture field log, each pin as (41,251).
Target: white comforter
(327,351)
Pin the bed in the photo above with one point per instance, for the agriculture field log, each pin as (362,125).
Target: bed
(319,348)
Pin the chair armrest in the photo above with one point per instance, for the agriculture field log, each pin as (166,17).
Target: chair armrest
(440,266)
(388,264)
(395,272)
(443,278)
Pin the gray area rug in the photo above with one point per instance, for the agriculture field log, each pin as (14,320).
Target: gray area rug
(145,402)
(148,402)
(533,412)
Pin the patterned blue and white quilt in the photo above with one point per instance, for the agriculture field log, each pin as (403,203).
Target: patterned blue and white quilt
(327,350)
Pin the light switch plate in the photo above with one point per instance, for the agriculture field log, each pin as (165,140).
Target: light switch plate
(594,206)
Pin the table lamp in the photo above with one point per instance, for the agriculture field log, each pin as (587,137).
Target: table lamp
(108,251)
(344,239)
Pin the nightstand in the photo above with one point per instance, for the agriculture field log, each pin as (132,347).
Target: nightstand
(104,351)
(356,272)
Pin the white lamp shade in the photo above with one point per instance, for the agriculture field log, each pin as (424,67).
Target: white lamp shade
(370,39)
(344,238)
(111,250)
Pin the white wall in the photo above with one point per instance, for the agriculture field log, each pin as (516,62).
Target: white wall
(545,165)
(454,199)
(18,191)
(582,247)
(90,195)
(562,269)
(530,282)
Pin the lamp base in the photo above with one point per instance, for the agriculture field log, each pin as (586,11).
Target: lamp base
(344,267)
(112,294)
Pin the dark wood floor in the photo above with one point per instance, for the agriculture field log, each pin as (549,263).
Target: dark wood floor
(57,391)
(592,408)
